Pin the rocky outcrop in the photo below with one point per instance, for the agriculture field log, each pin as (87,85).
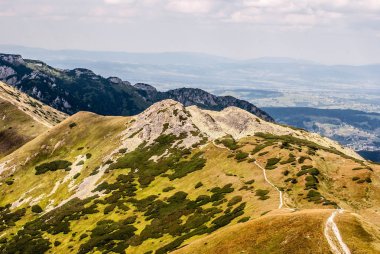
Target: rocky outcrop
(195,124)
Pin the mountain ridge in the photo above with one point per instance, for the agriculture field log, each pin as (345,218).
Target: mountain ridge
(81,89)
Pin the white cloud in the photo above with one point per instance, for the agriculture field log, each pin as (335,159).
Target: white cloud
(194,6)
(119,1)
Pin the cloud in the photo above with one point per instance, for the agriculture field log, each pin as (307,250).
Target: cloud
(194,6)
(281,13)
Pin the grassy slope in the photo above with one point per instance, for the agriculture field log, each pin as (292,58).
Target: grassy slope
(22,119)
(298,232)
(100,136)
(16,128)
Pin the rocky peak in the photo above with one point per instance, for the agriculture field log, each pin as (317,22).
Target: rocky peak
(194,125)
(166,117)
(12,59)
(145,87)
(115,80)
(82,72)
(118,81)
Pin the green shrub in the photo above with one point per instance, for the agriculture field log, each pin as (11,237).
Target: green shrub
(244,219)
(260,147)
(198,185)
(228,142)
(272,162)
(37,209)
(302,159)
(241,155)
(304,167)
(167,189)
(262,194)
(72,125)
(291,159)
(250,181)
(355,178)
(9,182)
(52,166)
(234,200)
(89,155)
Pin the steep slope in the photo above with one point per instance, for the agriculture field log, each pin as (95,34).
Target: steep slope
(22,118)
(173,174)
(80,89)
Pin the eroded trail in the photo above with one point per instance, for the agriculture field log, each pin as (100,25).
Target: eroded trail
(281,204)
(333,236)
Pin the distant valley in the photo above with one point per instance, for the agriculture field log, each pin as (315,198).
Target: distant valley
(356,129)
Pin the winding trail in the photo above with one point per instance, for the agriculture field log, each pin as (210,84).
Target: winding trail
(331,230)
(281,204)
(274,186)
(333,236)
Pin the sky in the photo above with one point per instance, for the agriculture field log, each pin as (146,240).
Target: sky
(325,31)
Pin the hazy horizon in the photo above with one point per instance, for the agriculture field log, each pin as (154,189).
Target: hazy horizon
(15,49)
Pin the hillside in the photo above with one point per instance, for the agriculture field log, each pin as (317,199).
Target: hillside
(352,128)
(22,118)
(80,89)
(174,176)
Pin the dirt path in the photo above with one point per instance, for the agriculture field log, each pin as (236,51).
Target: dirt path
(277,189)
(281,204)
(333,236)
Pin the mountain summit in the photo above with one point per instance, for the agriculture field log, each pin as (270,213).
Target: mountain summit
(185,179)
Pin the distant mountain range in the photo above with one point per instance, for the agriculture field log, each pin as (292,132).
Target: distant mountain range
(177,69)
(81,89)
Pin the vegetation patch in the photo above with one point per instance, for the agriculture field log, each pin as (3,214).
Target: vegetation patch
(198,185)
(36,209)
(228,142)
(110,236)
(291,159)
(262,194)
(271,163)
(240,156)
(52,166)
(146,169)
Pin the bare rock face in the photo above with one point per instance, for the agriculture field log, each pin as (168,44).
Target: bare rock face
(169,117)
(12,59)
(145,87)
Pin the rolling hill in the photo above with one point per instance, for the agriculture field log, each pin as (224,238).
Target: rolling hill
(186,180)
(22,118)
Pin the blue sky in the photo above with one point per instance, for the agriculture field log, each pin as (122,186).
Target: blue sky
(327,31)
